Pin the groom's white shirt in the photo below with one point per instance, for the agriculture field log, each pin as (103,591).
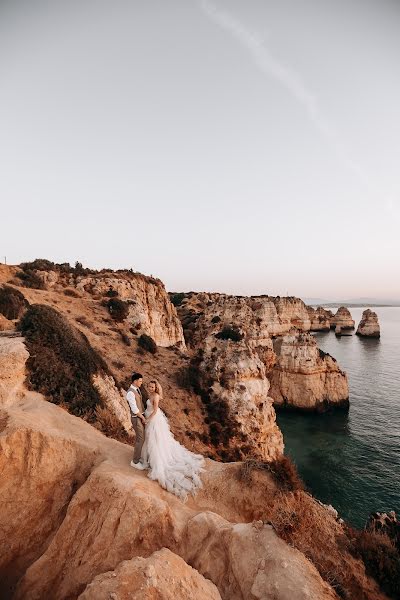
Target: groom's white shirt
(130,396)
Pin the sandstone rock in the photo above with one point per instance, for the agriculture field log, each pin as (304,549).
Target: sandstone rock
(305,377)
(13,356)
(150,312)
(249,561)
(259,317)
(320,318)
(242,417)
(5,324)
(113,399)
(163,575)
(342,319)
(369,325)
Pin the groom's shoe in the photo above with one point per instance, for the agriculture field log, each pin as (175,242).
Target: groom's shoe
(138,465)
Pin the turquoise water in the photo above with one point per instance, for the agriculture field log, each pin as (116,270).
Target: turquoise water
(352,460)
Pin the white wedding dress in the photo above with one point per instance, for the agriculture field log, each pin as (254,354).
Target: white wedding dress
(174,467)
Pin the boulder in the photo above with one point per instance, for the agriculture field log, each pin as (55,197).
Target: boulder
(163,575)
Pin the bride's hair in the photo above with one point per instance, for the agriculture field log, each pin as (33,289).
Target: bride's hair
(158,387)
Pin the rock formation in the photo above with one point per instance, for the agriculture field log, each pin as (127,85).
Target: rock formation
(150,309)
(163,575)
(320,318)
(369,325)
(234,386)
(305,377)
(342,319)
(259,317)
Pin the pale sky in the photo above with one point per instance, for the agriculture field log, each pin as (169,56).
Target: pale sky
(242,146)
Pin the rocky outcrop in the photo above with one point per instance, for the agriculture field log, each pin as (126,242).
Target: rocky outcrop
(369,325)
(320,318)
(342,319)
(305,377)
(210,536)
(150,309)
(234,388)
(163,575)
(259,317)
(113,399)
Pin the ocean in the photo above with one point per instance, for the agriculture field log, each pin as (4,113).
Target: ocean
(352,459)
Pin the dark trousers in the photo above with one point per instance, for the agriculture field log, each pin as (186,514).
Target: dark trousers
(139,431)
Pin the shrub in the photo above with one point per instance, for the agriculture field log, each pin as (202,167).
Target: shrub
(282,470)
(216,319)
(111,293)
(178,298)
(118,309)
(84,321)
(72,293)
(147,343)
(230,333)
(12,302)
(125,338)
(381,559)
(61,362)
(108,423)
(39,264)
(30,279)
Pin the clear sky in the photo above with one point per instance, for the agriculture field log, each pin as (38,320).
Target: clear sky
(244,146)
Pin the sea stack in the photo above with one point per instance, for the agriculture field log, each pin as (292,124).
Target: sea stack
(369,325)
(342,319)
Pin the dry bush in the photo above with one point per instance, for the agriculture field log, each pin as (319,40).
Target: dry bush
(62,361)
(309,527)
(72,292)
(125,338)
(84,321)
(147,343)
(30,279)
(108,423)
(230,333)
(12,302)
(381,558)
(118,309)
(283,471)
(118,364)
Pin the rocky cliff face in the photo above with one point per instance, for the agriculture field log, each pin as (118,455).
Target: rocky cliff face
(320,318)
(369,325)
(235,388)
(342,319)
(306,378)
(150,309)
(275,329)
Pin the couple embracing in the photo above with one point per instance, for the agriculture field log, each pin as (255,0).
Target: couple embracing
(174,467)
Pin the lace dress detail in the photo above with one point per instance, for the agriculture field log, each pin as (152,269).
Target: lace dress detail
(174,467)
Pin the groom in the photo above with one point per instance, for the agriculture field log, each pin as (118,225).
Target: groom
(136,406)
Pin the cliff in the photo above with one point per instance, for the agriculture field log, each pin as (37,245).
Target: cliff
(149,308)
(295,372)
(77,521)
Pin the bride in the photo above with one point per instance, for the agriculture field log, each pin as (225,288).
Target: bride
(174,467)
